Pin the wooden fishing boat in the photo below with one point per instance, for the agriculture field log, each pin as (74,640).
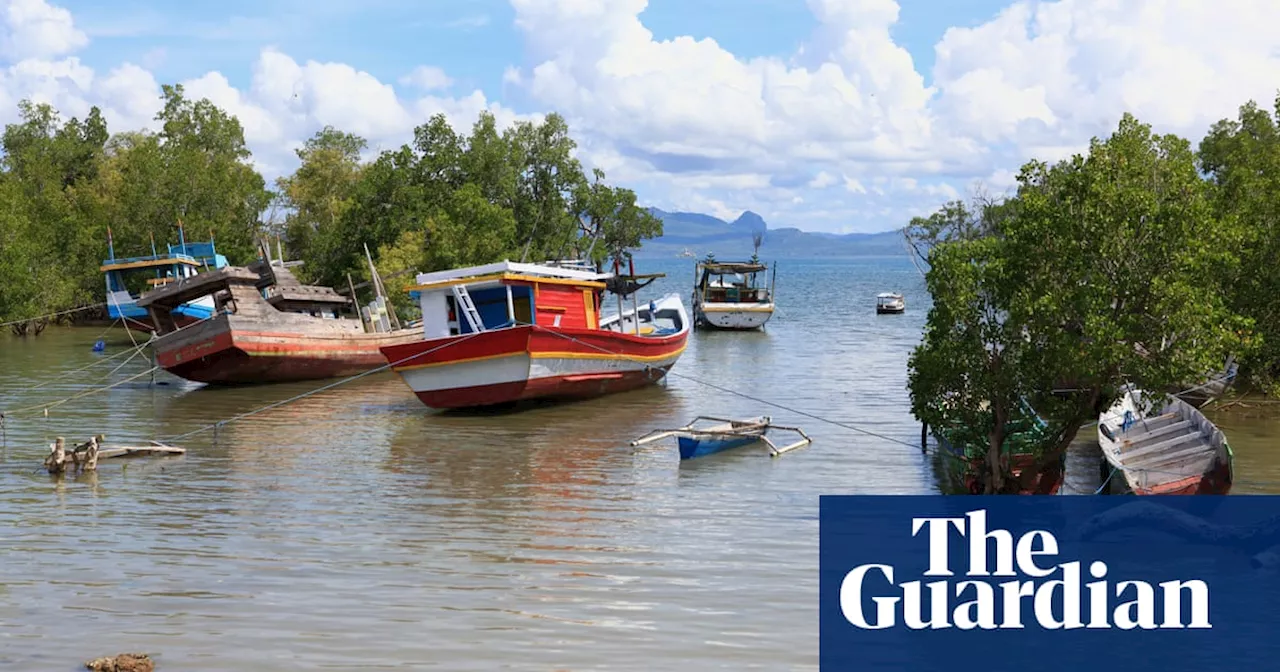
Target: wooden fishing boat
(890,303)
(123,280)
(1164,446)
(266,328)
(1212,388)
(730,295)
(508,332)
(724,435)
(1026,435)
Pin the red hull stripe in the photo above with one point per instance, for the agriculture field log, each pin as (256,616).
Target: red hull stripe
(538,343)
(561,387)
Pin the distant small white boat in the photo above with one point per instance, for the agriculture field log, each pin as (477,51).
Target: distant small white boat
(891,303)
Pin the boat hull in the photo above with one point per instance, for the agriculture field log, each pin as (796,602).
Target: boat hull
(890,311)
(1198,460)
(694,446)
(1047,482)
(734,317)
(526,362)
(229,351)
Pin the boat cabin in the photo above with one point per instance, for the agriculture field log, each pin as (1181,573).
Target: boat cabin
(890,302)
(494,296)
(560,295)
(732,282)
(128,278)
(261,290)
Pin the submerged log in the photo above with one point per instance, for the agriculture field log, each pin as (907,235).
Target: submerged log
(85,456)
(125,662)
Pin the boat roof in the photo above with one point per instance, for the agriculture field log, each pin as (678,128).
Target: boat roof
(888,295)
(203,284)
(573,273)
(726,267)
(154,261)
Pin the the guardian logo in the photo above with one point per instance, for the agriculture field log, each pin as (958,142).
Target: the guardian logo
(1053,603)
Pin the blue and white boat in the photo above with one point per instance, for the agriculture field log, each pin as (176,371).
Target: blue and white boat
(183,260)
(726,434)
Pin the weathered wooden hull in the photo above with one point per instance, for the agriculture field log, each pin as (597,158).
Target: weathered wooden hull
(1176,451)
(181,320)
(522,363)
(227,350)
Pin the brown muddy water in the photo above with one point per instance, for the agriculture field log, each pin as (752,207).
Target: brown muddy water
(354,529)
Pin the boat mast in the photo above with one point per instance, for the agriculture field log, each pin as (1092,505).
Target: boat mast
(635,301)
(617,270)
(111,246)
(379,288)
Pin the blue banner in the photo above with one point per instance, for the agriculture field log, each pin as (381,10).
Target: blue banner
(1042,584)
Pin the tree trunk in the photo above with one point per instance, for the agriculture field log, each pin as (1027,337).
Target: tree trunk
(995,453)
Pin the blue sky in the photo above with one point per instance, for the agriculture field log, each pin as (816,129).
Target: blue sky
(473,40)
(832,115)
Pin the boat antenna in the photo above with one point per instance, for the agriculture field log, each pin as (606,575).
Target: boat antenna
(153,243)
(111,246)
(182,236)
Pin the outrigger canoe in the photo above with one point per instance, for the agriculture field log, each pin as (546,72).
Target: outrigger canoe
(724,435)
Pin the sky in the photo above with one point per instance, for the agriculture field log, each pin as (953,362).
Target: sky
(827,115)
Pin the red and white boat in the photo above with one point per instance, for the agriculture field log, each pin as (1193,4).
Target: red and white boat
(508,332)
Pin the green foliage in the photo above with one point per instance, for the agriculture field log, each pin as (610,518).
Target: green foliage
(1099,273)
(445,200)
(1242,159)
(516,193)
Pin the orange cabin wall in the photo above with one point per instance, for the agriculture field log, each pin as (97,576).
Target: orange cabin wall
(563,300)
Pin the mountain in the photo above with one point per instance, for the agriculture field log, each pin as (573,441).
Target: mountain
(732,240)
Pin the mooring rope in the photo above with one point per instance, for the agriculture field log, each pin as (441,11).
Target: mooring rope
(85,393)
(59,313)
(72,372)
(344,381)
(734,392)
(138,347)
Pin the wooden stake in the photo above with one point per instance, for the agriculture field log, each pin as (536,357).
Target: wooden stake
(56,462)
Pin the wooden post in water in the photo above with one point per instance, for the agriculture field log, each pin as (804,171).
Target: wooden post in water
(57,459)
(924,437)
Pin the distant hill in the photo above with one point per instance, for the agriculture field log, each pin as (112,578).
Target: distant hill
(729,240)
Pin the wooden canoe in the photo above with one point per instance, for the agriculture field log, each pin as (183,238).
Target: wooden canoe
(1164,446)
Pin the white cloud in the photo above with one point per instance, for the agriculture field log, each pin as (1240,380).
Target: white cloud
(427,78)
(36,29)
(822,180)
(1052,74)
(284,103)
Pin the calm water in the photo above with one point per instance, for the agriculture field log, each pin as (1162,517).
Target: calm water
(354,529)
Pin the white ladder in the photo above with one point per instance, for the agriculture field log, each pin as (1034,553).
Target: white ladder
(463,298)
